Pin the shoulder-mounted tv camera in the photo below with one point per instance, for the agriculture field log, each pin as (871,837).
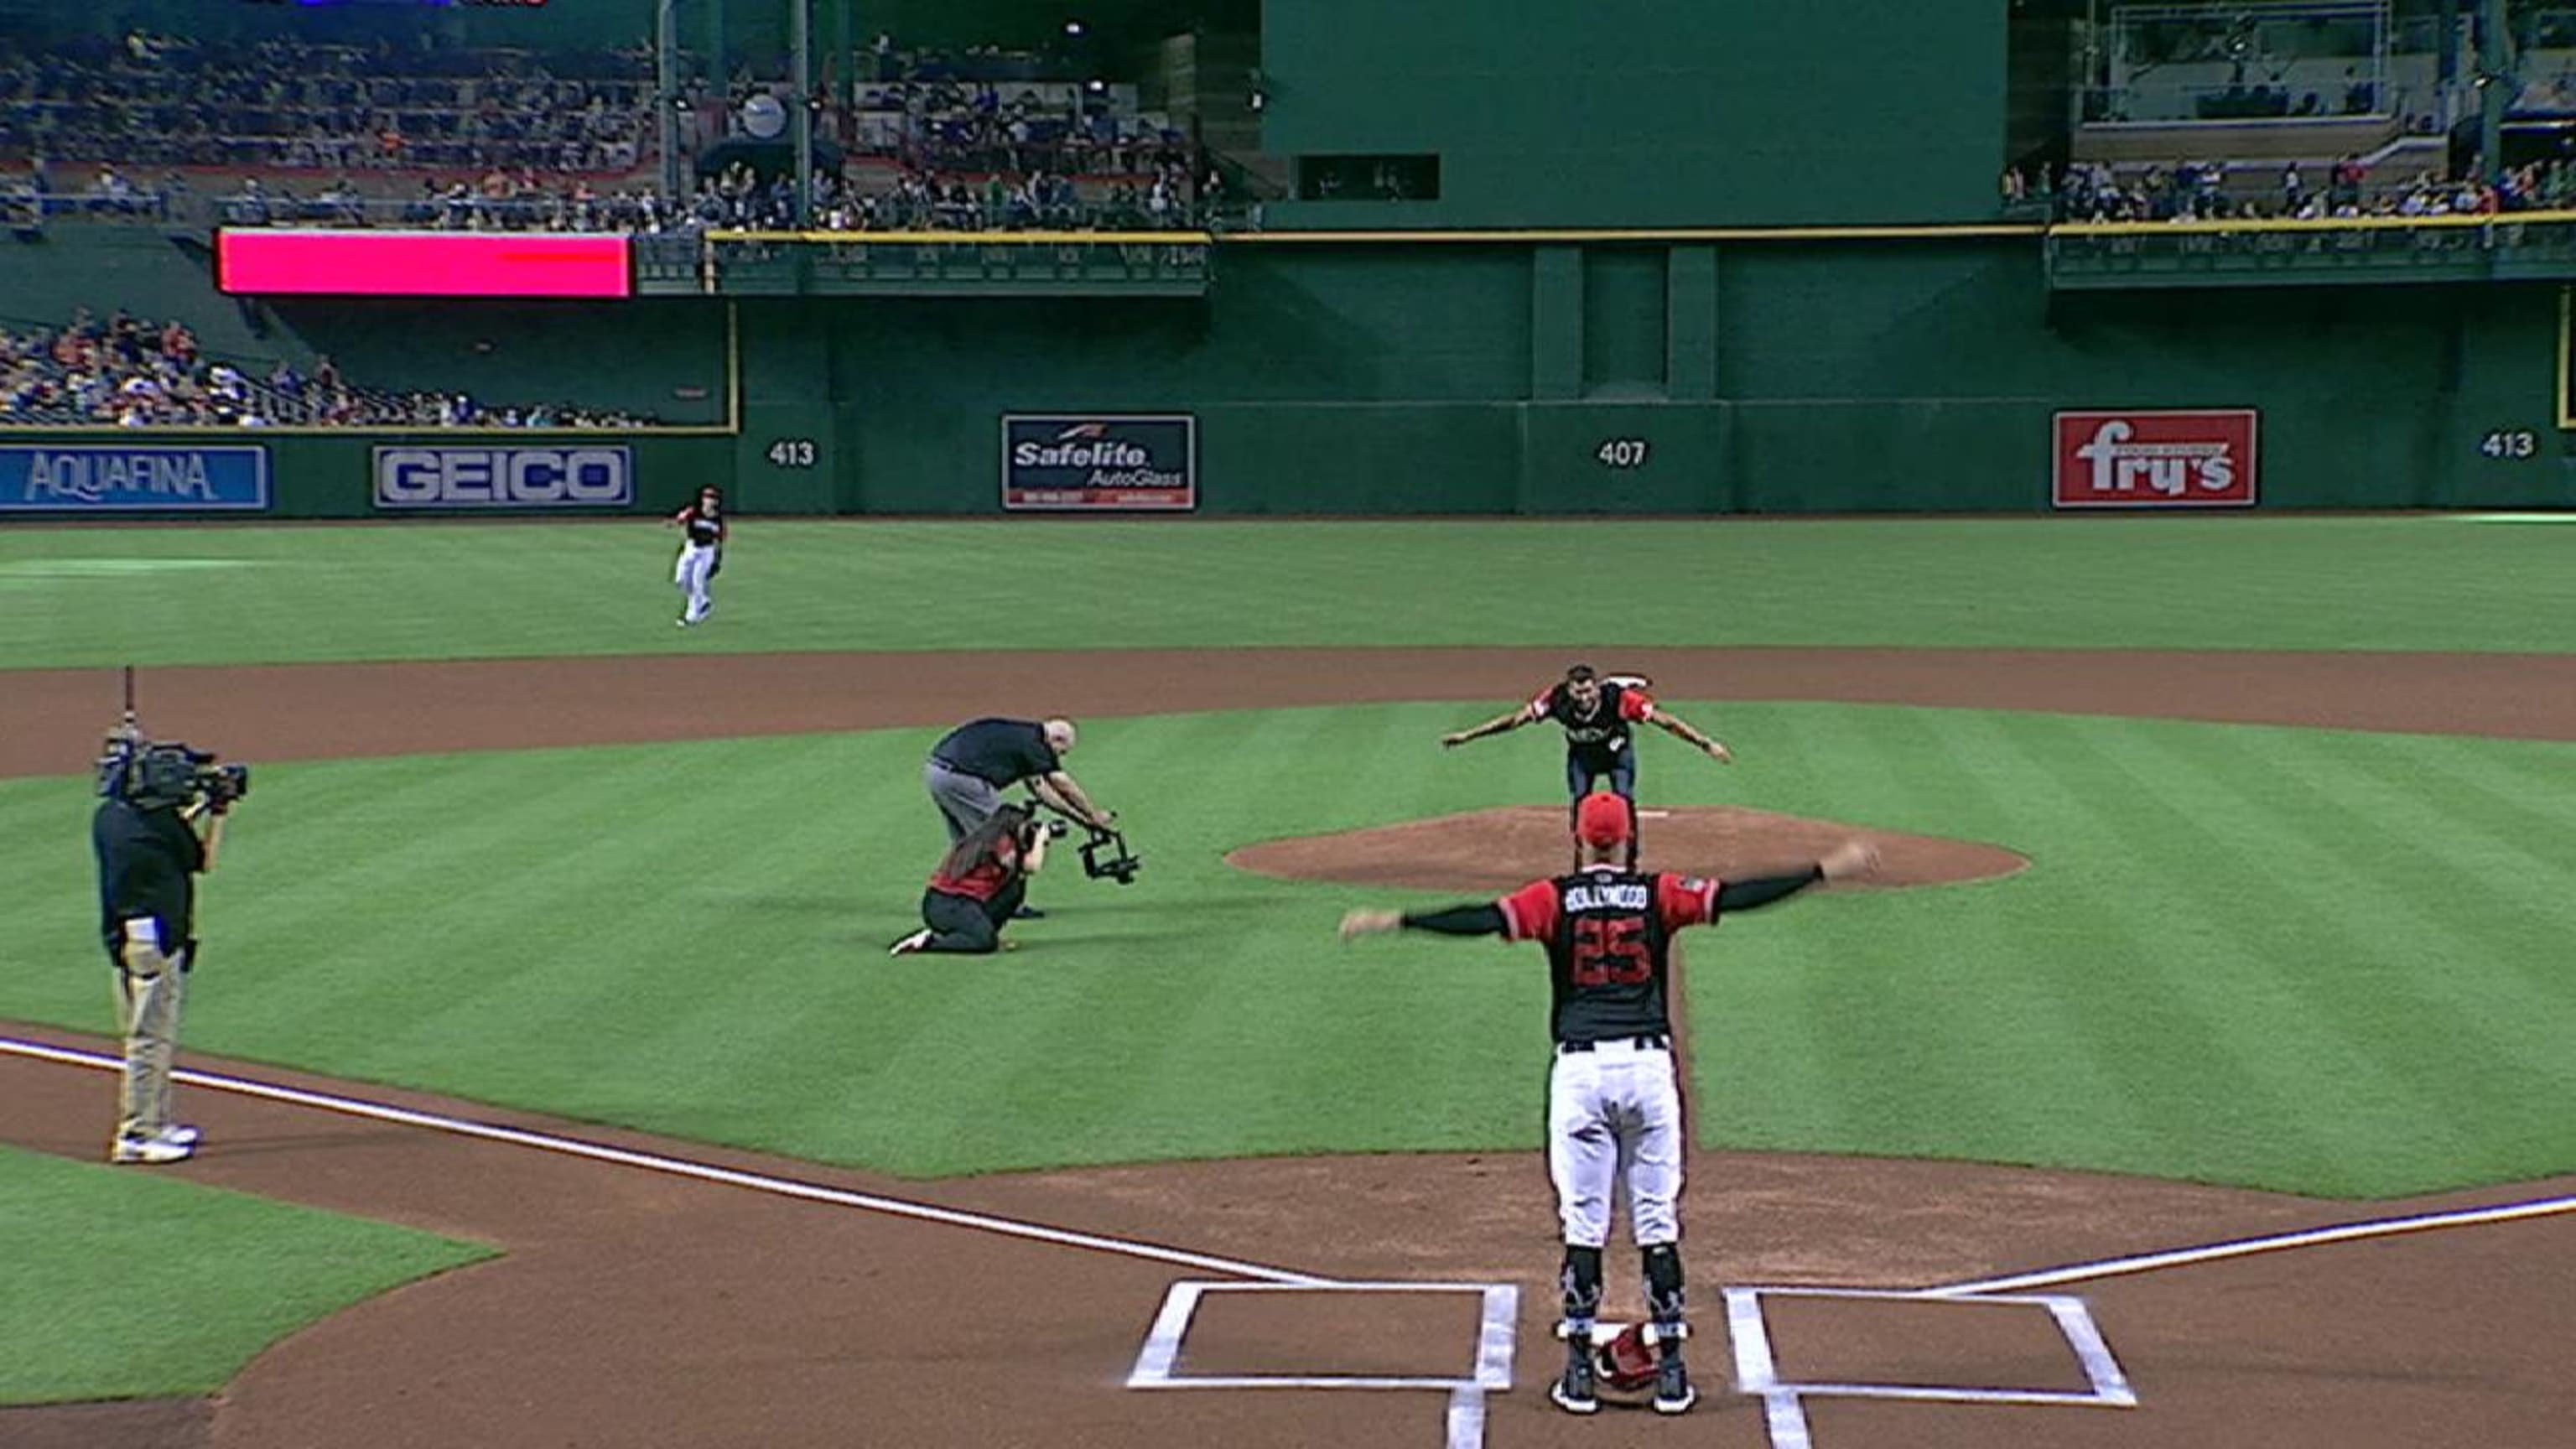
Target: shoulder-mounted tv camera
(156,774)
(152,774)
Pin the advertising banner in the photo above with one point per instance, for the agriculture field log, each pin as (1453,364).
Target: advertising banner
(417,479)
(106,477)
(1100,461)
(2198,459)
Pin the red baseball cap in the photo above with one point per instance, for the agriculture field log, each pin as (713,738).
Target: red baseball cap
(1602,819)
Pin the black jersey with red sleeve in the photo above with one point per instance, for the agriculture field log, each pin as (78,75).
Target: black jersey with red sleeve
(706,529)
(987,877)
(1601,730)
(1608,935)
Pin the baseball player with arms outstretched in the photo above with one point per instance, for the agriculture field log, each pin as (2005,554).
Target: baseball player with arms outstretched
(702,555)
(1614,1107)
(1596,714)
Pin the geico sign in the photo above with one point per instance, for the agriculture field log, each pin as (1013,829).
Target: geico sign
(504,477)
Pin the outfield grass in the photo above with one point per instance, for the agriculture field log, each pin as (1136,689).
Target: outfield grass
(92,596)
(117,1284)
(2307,960)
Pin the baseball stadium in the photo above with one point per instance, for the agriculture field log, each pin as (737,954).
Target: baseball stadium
(2061,514)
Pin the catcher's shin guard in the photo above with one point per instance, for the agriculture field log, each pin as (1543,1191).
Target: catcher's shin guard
(1663,1264)
(1578,1281)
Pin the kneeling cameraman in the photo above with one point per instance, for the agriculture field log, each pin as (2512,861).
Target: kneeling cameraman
(145,836)
(980,883)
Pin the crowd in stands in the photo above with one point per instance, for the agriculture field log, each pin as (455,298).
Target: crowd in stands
(283,132)
(124,371)
(931,201)
(156,101)
(870,200)
(1066,128)
(2216,191)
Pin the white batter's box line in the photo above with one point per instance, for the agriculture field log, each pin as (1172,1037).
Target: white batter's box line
(1757,1368)
(1492,1371)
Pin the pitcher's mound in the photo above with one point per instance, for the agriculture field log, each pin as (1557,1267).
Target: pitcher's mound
(1493,851)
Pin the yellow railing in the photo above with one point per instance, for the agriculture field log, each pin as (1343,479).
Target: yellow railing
(971,238)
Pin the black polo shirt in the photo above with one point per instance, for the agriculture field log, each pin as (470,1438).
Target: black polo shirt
(1001,751)
(145,859)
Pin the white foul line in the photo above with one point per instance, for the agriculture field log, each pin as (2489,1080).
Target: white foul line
(2247,1247)
(1466,1410)
(681,1167)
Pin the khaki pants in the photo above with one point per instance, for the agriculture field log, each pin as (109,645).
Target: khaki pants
(150,986)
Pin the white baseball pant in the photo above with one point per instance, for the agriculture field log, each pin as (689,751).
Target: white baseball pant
(690,574)
(1614,1117)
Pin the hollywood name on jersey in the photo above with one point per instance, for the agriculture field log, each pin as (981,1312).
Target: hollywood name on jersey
(1625,896)
(2200,459)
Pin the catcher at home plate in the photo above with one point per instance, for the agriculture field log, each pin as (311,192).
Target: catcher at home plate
(1614,1109)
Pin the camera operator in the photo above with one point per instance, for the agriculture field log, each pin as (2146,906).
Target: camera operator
(149,852)
(979,884)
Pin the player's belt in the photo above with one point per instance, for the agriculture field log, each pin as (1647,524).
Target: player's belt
(1650,1042)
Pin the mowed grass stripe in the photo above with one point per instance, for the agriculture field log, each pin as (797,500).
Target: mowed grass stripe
(466,903)
(689,938)
(2338,941)
(1922,1005)
(430,589)
(2215,1036)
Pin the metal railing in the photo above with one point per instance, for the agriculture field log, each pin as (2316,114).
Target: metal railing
(2528,245)
(1172,263)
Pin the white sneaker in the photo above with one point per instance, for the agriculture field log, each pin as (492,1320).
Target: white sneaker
(151,1151)
(183,1134)
(909,944)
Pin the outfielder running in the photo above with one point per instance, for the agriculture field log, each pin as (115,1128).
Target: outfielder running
(1614,1108)
(1596,713)
(702,555)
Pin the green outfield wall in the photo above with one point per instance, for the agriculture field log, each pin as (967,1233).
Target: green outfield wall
(1644,112)
(1576,376)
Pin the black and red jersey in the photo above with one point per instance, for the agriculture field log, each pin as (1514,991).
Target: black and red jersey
(987,877)
(706,529)
(1608,934)
(1603,729)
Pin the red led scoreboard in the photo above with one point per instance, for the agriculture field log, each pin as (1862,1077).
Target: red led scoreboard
(264,263)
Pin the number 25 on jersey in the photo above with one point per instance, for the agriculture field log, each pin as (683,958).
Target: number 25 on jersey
(1610,951)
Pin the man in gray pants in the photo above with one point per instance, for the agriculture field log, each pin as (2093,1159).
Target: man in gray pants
(973,763)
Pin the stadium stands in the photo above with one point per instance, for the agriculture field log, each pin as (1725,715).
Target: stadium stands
(126,371)
(167,101)
(281,133)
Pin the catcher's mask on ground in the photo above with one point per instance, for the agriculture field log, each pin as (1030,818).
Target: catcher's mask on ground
(1602,819)
(1627,1361)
